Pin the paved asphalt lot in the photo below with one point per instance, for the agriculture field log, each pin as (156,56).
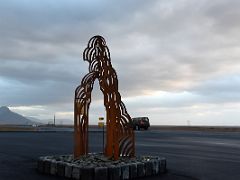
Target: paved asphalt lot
(190,155)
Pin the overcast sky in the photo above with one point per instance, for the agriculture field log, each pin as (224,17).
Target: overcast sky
(178,61)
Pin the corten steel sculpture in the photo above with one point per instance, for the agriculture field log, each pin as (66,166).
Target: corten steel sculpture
(120,135)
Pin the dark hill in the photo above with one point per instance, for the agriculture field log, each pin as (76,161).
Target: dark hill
(9,117)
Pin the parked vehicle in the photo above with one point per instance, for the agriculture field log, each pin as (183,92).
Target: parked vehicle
(140,122)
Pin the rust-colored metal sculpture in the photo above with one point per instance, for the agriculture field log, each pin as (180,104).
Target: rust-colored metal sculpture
(120,136)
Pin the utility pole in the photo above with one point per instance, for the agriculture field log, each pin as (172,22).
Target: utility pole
(54,121)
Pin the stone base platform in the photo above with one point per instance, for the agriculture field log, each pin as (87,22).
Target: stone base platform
(98,167)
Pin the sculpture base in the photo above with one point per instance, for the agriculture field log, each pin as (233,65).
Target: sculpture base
(96,166)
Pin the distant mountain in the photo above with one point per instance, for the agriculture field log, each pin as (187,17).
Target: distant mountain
(35,120)
(9,117)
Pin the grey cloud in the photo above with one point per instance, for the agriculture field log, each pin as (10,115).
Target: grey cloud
(173,46)
(224,15)
(220,90)
(35,72)
(45,93)
(49,31)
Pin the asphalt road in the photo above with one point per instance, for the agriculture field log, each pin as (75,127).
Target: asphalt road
(190,155)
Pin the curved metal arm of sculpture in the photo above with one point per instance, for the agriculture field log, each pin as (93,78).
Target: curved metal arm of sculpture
(120,136)
(81,109)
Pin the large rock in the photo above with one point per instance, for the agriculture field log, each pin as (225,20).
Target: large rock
(53,168)
(114,173)
(76,173)
(47,166)
(87,173)
(68,170)
(155,167)
(125,171)
(60,169)
(133,171)
(140,169)
(148,168)
(101,173)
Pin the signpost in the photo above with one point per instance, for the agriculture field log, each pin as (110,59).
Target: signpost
(101,125)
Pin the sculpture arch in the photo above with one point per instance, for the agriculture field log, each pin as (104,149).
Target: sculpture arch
(120,136)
